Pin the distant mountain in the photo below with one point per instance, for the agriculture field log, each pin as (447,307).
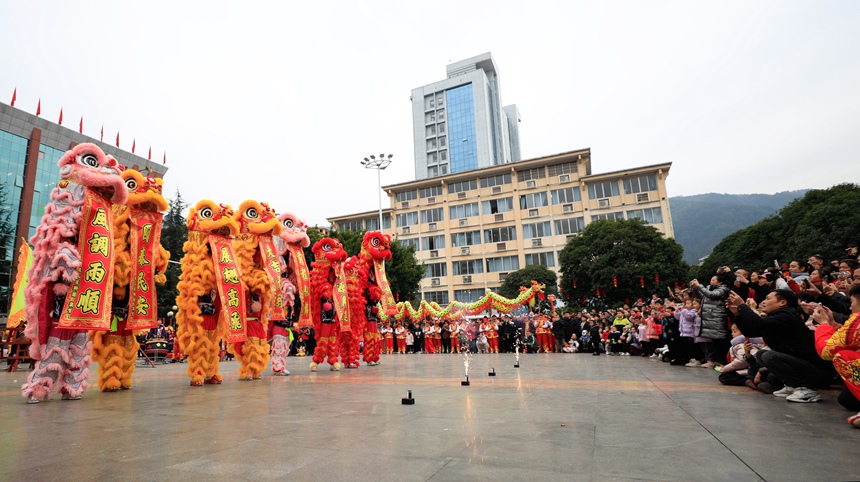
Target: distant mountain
(703,220)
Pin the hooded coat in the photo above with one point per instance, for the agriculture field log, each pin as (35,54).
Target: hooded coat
(714,318)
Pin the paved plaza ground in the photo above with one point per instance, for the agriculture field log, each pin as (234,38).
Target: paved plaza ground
(558,417)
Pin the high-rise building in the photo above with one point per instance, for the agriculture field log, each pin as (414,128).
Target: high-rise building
(30,147)
(459,123)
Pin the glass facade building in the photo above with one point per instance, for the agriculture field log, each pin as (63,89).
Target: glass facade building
(461,125)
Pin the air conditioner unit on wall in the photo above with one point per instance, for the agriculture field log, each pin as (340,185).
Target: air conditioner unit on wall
(435,282)
(465,250)
(461,195)
(464,222)
(497,189)
(404,204)
(434,253)
(530,184)
(405,230)
(567,208)
(432,227)
(534,213)
(501,246)
(467,279)
(537,242)
(431,200)
(502,276)
(564,178)
(499,218)
(603,203)
(643,197)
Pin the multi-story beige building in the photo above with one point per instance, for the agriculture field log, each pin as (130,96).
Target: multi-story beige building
(470,229)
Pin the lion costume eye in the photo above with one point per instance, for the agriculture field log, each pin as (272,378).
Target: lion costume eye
(326,247)
(374,242)
(206,213)
(131,184)
(90,160)
(288,223)
(251,213)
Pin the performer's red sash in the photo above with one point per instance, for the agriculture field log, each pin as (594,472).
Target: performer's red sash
(341,300)
(229,287)
(88,301)
(388,303)
(272,266)
(144,243)
(303,284)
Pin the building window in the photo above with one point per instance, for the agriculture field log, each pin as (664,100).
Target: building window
(534,200)
(607,216)
(429,117)
(429,102)
(372,224)
(440,114)
(406,196)
(567,195)
(461,186)
(529,174)
(441,127)
(496,206)
(432,171)
(496,180)
(440,297)
(431,144)
(472,266)
(461,128)
(443,155)
(431,131)
(559,169)
(432,216)
(498,235)
(433,242)
(407,219)
(469,296)
(640,184)
(603,189)
(649,215)
(440,99)
(443,167)
(350,225)
(503,263)
(431,158)
(537,230)
(469,238)
(410,242)
(442,141)
(569,225)
(431,191)
(541,259)
(435,270)
(463,211)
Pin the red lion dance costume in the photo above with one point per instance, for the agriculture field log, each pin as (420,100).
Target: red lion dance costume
(842,346)
(329,303)
(140,262)
(295,279)
(211,299)
(71,280)
(373,288)
(260,268)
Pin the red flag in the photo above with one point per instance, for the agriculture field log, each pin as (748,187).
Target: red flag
(103,134)
(165,158)
(117,139)
(133,145)
(61,117)
(14,96)
(149,157)
(39,108)
(81,125)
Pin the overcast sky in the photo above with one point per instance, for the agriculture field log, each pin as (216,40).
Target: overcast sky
(280,101)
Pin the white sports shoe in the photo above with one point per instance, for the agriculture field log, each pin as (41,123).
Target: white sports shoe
(804,395)
(693,363)
(784,392)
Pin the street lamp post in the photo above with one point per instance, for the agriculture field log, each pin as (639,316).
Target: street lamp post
(379,165)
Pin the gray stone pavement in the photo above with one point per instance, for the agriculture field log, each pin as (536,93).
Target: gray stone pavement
(558,417)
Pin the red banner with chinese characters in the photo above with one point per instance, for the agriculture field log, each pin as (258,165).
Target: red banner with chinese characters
(144,241)
(229,287)
(88,301)
(272,266)
(388,303)
(341,300)
(303,284)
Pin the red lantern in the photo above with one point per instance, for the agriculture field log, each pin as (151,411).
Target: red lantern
(598,292)
(615,281)
(584,298)
(641,281)
(676,284)
(656,278)
(574,284)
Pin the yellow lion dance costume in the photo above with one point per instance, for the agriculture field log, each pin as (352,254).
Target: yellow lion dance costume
(210,295)
(139,264)
(260,266)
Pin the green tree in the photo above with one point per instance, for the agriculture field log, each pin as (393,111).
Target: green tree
(174,233)
(824,221)
(628,250)
(523,277)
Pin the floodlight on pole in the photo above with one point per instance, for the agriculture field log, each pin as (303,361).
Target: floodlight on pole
(379,165)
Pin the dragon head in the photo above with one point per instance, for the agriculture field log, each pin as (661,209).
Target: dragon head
(295,230)
(376,246)
(257,218)
(211,217)
(88,165)
(330,250)
(144,192)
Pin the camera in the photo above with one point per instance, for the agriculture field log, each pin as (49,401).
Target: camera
(852,251)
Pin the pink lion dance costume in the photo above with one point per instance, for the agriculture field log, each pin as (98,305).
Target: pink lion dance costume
(71,283)
(329,303)
(295,280)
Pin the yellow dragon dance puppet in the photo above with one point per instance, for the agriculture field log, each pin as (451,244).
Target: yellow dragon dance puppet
(71,279)
(139,264)
(211,300)
(260,267)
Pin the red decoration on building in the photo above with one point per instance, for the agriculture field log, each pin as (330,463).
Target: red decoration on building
(117,139)
(149,156)
(165,158)
(61,117)
(81,125)
(103,134)
(133,145)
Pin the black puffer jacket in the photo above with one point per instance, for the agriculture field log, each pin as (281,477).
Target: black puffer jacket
(714,319)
